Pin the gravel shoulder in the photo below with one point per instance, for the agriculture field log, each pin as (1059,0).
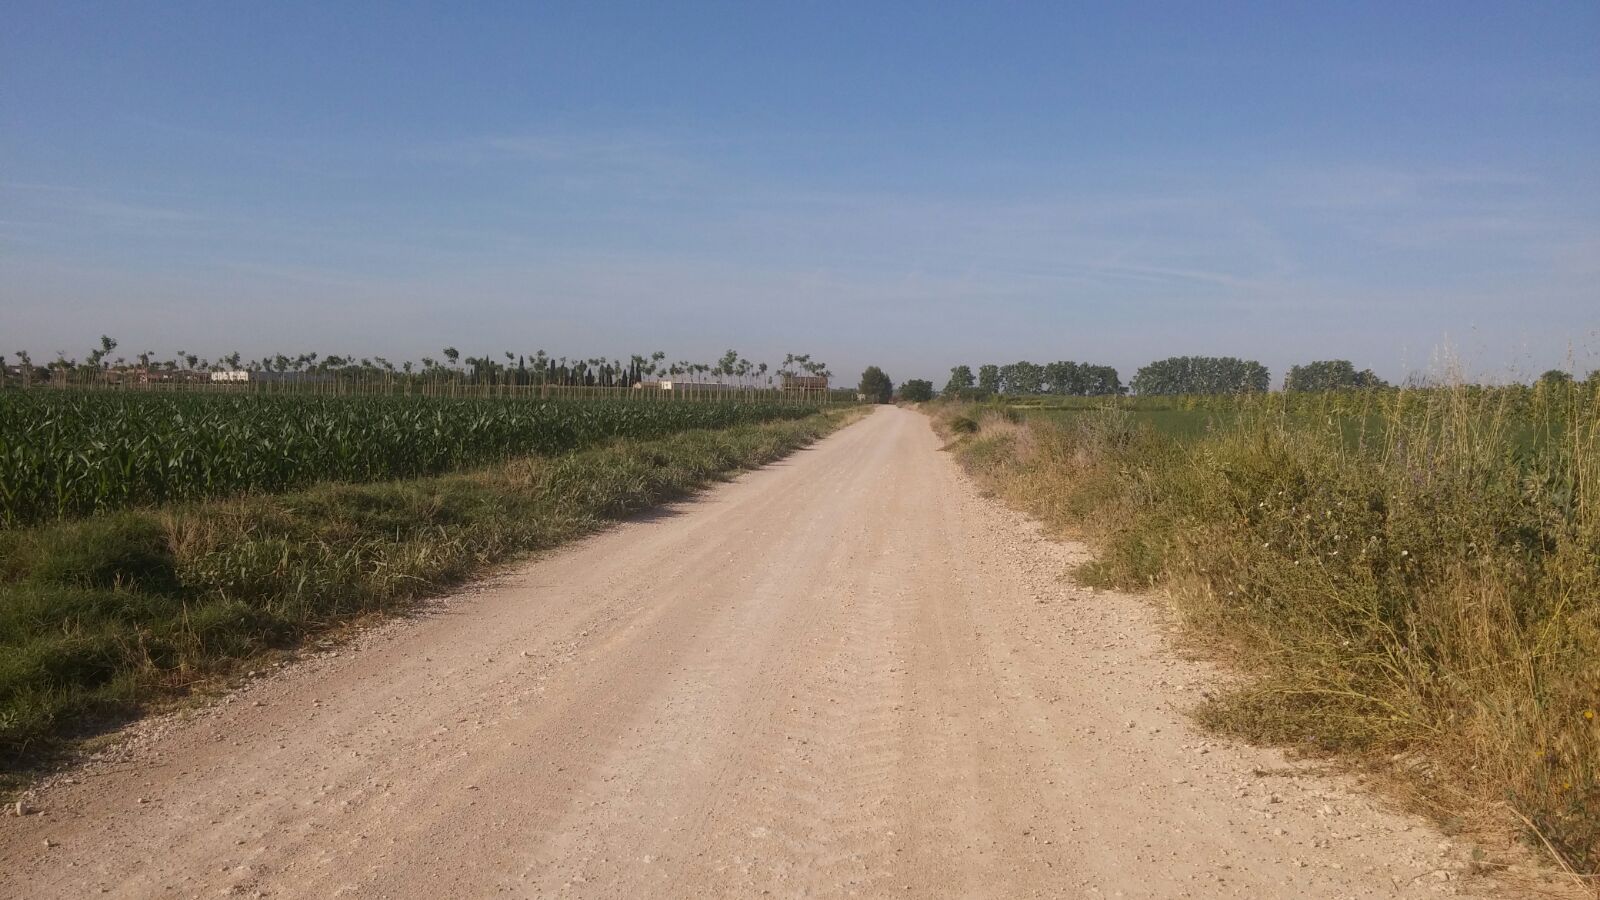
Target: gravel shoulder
(846,674)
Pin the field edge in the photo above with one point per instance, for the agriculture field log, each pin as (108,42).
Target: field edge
(113,619)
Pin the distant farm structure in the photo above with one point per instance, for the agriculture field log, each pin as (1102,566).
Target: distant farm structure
(248,376)
(690,387)
(818,383)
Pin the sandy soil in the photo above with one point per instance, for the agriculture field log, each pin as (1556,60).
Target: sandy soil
(847,674)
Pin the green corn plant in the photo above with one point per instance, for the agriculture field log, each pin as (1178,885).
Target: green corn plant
(66,454)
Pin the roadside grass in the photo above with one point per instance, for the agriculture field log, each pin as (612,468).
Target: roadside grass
(105,618)
(1422,595)
(1531,414)
(1176,423)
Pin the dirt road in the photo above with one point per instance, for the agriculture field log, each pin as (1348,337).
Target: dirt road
(844,675)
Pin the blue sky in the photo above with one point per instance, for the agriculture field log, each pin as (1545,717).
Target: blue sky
(913,185)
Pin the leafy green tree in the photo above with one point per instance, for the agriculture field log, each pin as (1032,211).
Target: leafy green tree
(1555,376)
(1063,377)
(1330,375)
(1080,379)
(989,378)
(1101,381)
(961,381)
(916,390)
(876,385)
(727,366)
(1201,375)
(97,357)
(1021,378)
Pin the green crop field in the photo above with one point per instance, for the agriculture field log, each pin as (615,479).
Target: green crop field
(69,453)
(103,615)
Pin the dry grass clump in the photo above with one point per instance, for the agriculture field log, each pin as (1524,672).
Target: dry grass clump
(1406,575)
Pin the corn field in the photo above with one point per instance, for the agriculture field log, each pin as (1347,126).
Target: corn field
(68,453)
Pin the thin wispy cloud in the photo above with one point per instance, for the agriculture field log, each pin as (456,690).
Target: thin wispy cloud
(53,202)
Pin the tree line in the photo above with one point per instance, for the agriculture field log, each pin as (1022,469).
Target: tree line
(536,368)
(1202,375)
(1065,378)
(1330,375)
(1175,375)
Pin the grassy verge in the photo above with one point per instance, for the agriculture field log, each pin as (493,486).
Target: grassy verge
(102,618)
(1424,599)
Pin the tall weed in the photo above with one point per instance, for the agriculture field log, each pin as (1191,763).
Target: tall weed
(1407,576)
